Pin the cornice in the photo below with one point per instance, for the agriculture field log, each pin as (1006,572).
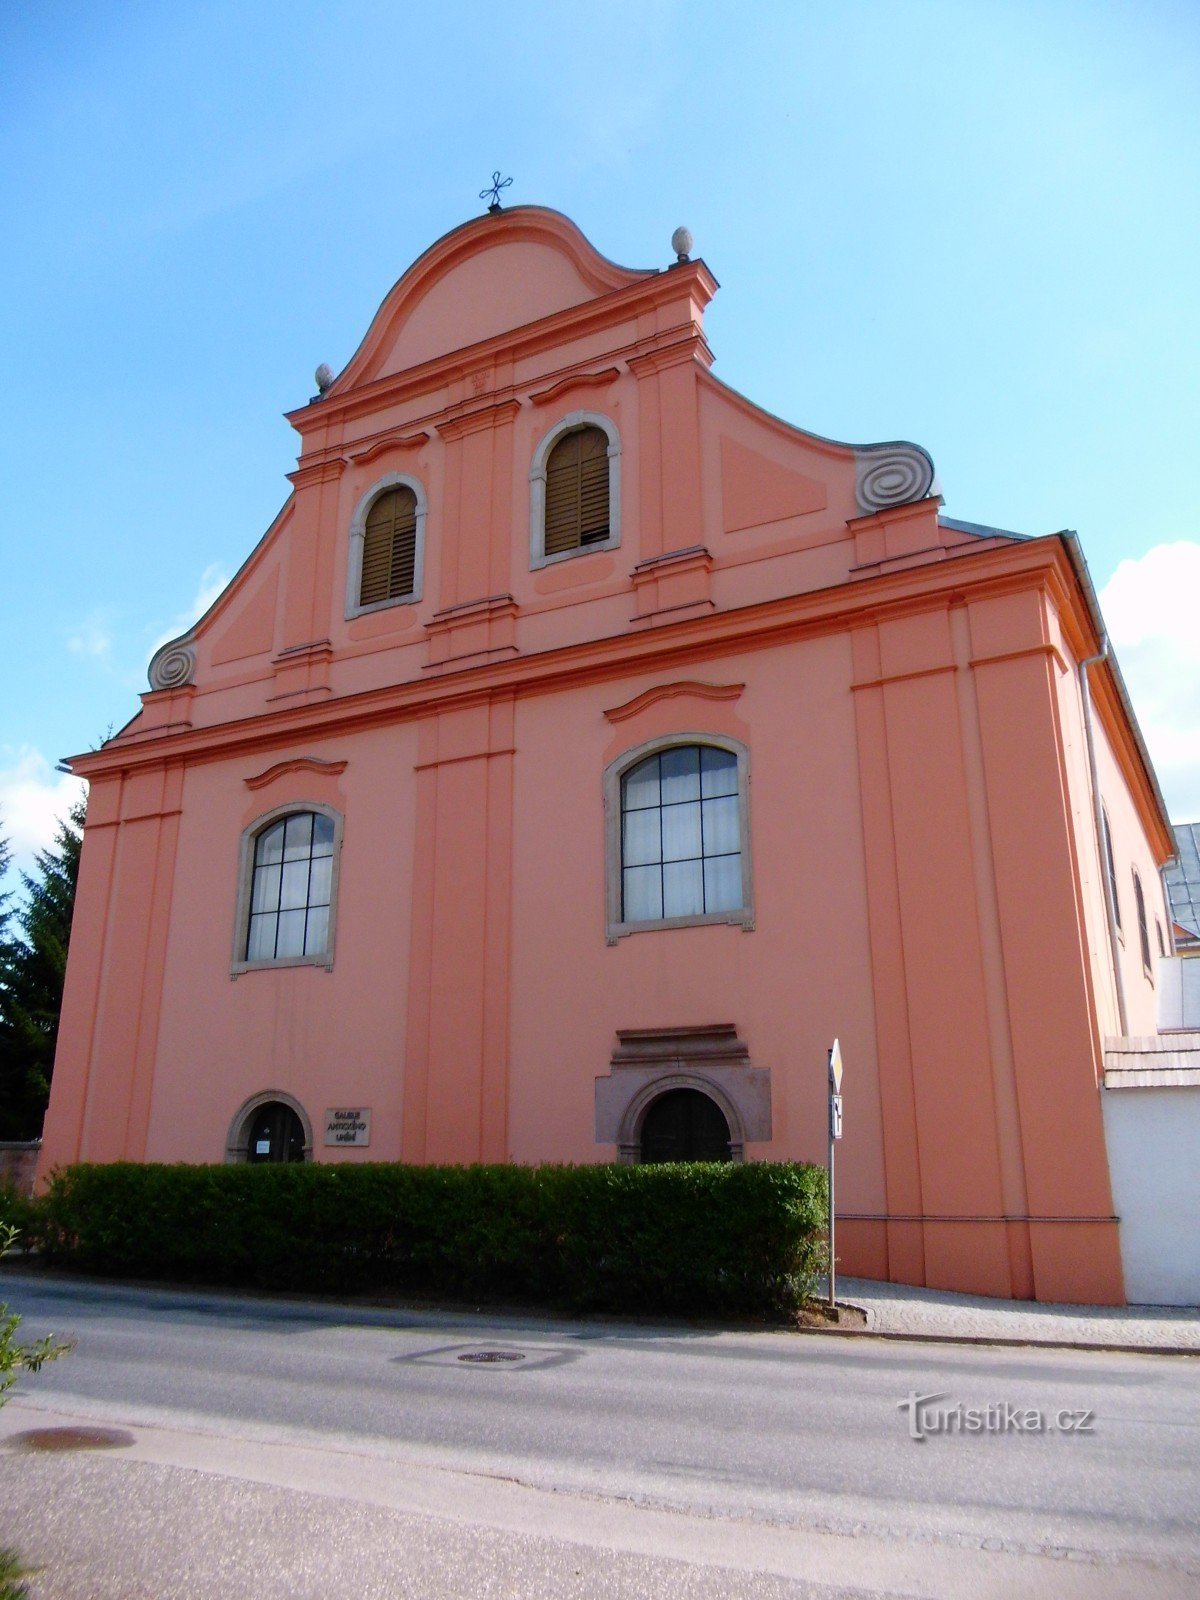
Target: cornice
(492,415)
(559,328)
(321,471)
(668,648)
(692,346)
(411,429)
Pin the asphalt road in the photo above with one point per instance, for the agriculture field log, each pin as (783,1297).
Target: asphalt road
(299,1449)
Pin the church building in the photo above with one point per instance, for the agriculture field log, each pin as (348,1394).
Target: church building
(580,751)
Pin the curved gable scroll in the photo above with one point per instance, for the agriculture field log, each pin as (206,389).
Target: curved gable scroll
(486,277)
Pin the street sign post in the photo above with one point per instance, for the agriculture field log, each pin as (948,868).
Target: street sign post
(835,1133)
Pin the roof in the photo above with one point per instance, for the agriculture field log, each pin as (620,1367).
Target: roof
(1182,878)
(980,529)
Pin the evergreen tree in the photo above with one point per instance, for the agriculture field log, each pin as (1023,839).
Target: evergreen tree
(33,961)
(5,858)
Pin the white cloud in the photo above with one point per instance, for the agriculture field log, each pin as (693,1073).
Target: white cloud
(33,798)
(93,638)
(212,581)
(1152,608)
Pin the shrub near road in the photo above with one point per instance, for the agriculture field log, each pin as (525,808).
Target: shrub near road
(688,1238)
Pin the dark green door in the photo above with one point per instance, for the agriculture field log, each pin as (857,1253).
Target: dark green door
(685,1125)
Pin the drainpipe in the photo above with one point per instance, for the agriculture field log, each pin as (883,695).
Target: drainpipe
(1098,818)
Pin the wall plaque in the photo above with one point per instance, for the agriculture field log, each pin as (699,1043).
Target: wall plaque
(348,1125)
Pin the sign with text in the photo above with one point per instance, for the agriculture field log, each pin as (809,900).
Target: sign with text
(835,1116)
(348,1125)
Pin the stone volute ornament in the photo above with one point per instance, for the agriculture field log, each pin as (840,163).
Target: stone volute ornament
(173,664)
(887,475)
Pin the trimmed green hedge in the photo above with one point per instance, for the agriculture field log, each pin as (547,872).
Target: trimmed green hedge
(687,1238)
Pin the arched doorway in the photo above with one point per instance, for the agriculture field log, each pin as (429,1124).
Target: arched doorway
(685,1125)
(275,1133)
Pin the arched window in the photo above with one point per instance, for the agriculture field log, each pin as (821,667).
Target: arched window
(1143,929)
(577,492)
(1111,868)
(678,836)
(288,889)
(575,489)
(387,546)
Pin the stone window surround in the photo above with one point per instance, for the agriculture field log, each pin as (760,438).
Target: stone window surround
(743,915)
(237,1146)
(358,534)
(537,488)
(241,924)
(649,1062)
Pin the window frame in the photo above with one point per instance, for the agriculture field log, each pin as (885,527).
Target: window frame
(1109,867)
(743,915)
(537,489)
(1143,922)
(246,851)
(358,536)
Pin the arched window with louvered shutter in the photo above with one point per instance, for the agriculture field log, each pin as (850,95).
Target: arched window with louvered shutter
(387,541)
(575,489)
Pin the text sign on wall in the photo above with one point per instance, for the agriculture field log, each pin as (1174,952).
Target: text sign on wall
(348,1125)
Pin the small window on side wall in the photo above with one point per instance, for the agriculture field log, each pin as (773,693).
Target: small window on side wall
(288,890)
(678,837)
(1143,928)
(575,489)
(1110,867)
(387,546)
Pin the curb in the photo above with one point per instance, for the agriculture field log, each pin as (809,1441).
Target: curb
(1001,1340)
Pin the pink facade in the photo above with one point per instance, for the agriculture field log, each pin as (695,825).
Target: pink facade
(898,843)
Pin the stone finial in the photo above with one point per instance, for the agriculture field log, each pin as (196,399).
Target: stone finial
(681,243)
(324,376)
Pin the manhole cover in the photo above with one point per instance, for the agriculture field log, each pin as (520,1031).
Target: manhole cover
(72,1439)
(483,1356)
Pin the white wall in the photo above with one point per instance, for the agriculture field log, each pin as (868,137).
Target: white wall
(1179,992)
(1154,1157)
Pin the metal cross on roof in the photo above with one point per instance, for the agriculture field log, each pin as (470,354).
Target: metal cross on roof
(497,184)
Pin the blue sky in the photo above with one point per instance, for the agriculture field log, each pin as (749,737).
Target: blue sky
(975,225)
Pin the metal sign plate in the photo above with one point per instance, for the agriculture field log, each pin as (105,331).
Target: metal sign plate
(835,1067)
(348,1125)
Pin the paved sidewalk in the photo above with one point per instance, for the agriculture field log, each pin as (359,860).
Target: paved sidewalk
(894,1308)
